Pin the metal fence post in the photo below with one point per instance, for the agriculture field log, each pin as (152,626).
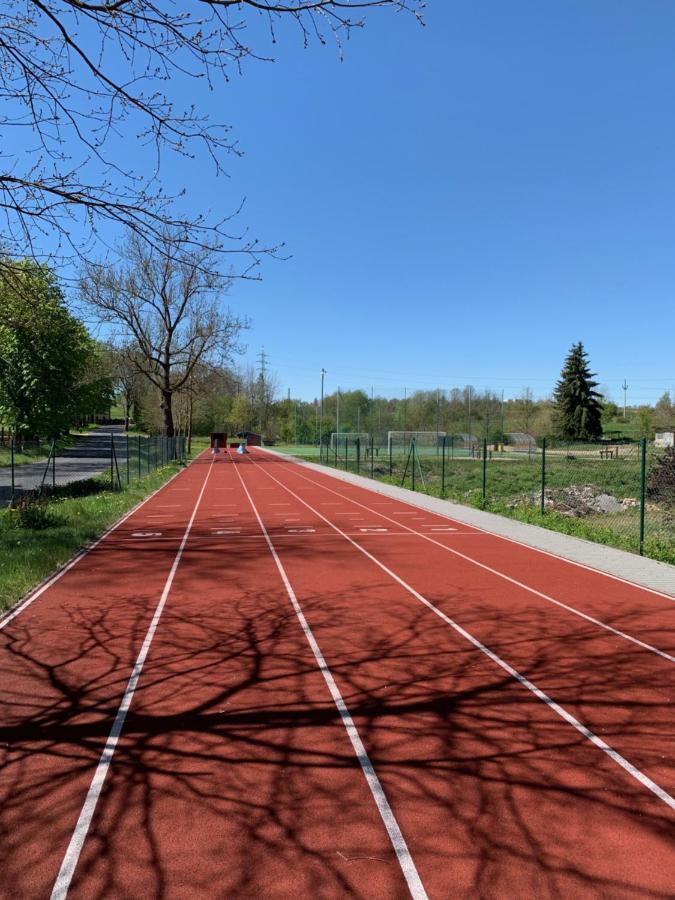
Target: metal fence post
(112,457)
(139,456)
(443,468)
(543,475)
(11,452)
(128,463)
(346,453)
(643,491)
(358,455)
(413,450)
(484,468)
(372,456)
(391,462)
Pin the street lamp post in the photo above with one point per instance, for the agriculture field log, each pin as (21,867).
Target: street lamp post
(323,373)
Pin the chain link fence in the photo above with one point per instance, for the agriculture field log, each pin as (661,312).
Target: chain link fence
(621,494)
(116,458)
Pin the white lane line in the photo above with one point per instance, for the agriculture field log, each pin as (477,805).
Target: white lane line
(502,575)
(405,860)
(614,755)
(144,534)
(67,870)
(39,591)
(512,540)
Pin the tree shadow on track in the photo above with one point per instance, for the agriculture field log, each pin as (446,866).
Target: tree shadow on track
(234,776)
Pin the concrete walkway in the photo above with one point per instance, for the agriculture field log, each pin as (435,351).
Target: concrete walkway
(90,456)
(649,573)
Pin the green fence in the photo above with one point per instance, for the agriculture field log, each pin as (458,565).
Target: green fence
(617,494)
(120,458)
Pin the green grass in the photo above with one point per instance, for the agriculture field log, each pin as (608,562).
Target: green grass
(27,556)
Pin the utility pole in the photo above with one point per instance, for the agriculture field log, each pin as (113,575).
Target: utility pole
(624,387)
(371,411)
(262,389)
(438,415)
(323,373)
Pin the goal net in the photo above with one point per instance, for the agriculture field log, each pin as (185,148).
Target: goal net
(403,439)
(348,438)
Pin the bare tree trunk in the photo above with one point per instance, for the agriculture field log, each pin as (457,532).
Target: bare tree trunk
(167,413)
(189,424)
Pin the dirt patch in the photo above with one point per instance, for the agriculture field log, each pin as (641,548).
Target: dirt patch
(579,501)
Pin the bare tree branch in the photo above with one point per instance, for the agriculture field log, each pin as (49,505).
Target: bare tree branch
(168,306)
(77,78)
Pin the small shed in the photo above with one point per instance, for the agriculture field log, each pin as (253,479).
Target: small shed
(520,440)
(218,438)
(664,439)
(251,438)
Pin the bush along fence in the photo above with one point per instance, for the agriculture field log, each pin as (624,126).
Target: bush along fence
(117,458)
(622,494)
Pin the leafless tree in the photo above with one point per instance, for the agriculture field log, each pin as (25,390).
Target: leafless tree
(125,365)
(204,397)
(81,78)
(166,310)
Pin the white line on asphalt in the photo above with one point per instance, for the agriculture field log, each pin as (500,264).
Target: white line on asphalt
(39,591)
(502,575)
(67,870)
(614,755)
(393,829)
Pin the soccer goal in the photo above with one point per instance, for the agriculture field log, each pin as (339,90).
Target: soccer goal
(424,440)
(345,439)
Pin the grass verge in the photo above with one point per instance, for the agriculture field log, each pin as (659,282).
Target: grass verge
(29,555)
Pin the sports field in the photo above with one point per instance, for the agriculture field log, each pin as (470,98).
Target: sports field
(266,682)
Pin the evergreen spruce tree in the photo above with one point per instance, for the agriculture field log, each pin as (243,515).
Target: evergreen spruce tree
(578,407)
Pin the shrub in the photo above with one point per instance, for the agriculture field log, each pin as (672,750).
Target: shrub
(33,512)
(661,480)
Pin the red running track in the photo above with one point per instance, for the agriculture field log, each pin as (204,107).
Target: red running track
(335,694)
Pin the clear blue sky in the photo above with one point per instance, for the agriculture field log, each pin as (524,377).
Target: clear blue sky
(464,201)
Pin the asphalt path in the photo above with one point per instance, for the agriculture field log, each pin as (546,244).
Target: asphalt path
(86,459)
